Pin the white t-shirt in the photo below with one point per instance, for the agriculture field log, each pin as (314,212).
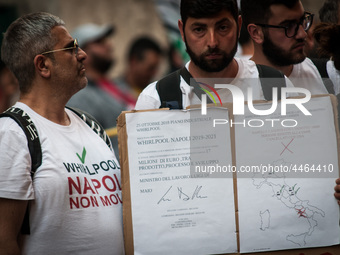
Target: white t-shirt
(334,76)
(76,205)
(306,75)
(246,77)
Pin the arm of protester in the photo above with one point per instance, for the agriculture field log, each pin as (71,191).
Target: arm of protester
(12,214)
(337,190)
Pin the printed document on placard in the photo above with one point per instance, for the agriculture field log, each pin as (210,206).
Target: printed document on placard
(285,200)
(175,210)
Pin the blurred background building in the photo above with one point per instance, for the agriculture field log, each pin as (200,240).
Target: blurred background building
(131,18)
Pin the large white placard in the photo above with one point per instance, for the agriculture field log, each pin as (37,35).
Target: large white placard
(288,203)
(181,168)
(174,210)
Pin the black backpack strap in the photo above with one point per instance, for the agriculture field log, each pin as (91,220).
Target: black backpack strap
(93,124)
(27,125)
(321,65)
(192,82)
(266,72)
(169,91)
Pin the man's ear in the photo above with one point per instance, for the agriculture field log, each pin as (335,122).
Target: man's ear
(256,33)
(42,65)
(181,28)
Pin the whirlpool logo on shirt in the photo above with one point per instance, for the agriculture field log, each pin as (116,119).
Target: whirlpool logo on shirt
(93,185)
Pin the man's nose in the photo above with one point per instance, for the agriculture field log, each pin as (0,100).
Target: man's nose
(301,33)
(81,56)
(212,39)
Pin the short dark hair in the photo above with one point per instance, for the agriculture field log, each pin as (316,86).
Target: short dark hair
(142,44)
(329,12)
(258,11)
(327,36)
(207,8)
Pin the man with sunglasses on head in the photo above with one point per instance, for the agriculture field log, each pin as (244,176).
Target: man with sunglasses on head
(278,29)
(73,200)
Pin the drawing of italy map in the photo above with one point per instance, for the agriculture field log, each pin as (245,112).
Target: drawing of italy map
(290,204)
(288,196)
(277,213)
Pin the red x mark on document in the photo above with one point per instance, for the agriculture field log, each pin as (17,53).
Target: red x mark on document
(286,147)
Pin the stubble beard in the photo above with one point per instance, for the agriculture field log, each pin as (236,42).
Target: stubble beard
(278,56)
(211,65)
